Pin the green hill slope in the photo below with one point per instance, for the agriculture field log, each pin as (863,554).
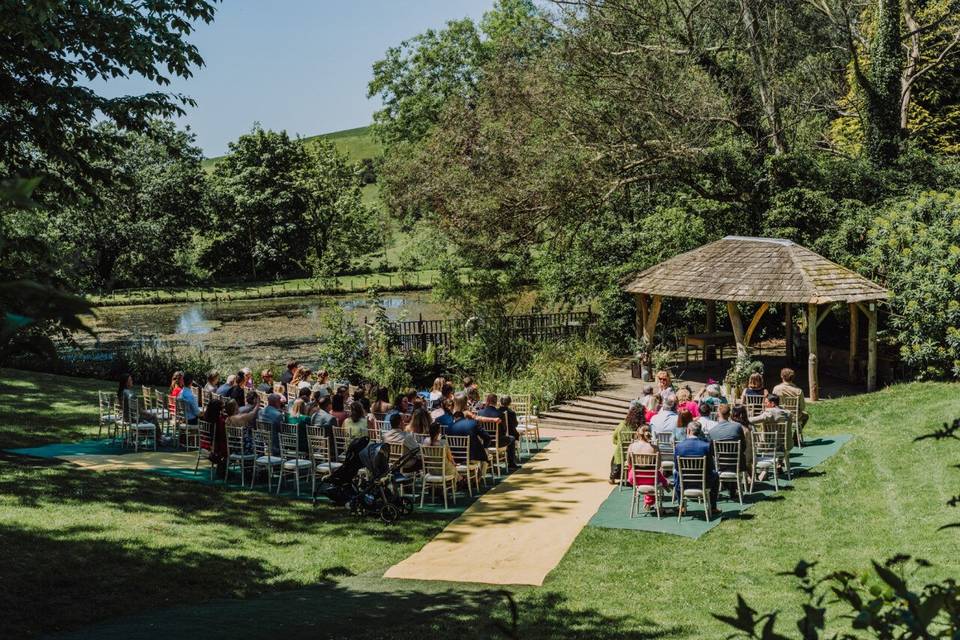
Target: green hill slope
(356,144)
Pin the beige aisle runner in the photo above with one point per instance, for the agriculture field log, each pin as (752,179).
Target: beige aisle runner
(519,531)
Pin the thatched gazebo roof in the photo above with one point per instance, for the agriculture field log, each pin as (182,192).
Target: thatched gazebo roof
(742,269)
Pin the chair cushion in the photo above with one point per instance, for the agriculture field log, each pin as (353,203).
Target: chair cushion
(693,493)
(728,475)
(293,464)
(242,456)
(645,488)
(143,426)
(269,460)
(438,478)
(765,464)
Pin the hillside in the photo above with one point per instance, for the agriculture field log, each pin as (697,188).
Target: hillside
(356,144)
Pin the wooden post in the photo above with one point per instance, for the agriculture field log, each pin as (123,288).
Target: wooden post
(640,317)
(736,323)
(748,336)
(812,373)
(854,342)
(872,348)
(788,329)
(651,321)
(710,353)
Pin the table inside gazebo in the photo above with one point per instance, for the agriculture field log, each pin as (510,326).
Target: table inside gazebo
(703,341)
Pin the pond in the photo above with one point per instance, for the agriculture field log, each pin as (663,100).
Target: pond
(251,332)
(245,331)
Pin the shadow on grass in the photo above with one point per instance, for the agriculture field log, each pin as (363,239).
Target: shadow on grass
(72,576)
(365,608)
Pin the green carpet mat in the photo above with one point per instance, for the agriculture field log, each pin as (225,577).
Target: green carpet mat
(109,447)
(614,513)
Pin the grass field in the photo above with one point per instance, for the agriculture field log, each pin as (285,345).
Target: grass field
(356,144)
(88,546)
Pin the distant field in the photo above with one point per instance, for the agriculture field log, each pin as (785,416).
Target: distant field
(356,144)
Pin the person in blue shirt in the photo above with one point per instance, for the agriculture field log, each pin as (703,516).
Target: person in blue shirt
(272,414)
(464,426)
(695,445)
(490,411)
(192,411)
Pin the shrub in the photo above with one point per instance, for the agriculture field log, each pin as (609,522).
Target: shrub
(561,370)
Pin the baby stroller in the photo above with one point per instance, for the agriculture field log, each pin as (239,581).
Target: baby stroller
(367,484)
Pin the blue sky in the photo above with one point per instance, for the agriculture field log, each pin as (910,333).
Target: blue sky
(299,65)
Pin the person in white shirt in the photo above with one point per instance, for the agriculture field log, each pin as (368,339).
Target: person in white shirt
(665,420)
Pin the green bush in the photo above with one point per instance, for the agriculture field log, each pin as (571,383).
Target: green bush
(914,249)
(560,371)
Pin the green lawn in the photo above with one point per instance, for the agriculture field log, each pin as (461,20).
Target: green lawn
(89,546)
(356,144)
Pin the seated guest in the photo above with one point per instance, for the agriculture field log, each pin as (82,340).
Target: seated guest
(436,391)
(622,434)
(356,421)
(127,398)
(684,401)
(397,435)
(322,417)
(287,377)
(238,391)
(708,423)
(444,413)
(684,418)
(490,412)
(473,398)
(189,399)
(786,389)
(695,445)
(643,444)
(213,414)
(360,395)
(435,439)
(447,392)
(419,424)
(338,411)
(247,379)
(666,418)
(468,383)
(252,405)
(510,417)
(754,388)
(772,413)
(266,381)
(381,405)
(398,407)
(323,380)
(245,417)
(409,400)
(272,414)
(464,426)
(652,406)
(727,430)
(213,382)
(176,384)
(664,384)
(224,389)
(711,394)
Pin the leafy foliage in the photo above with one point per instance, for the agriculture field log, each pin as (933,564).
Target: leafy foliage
(54,49)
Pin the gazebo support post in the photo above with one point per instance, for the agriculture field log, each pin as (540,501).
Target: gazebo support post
(812,373)
(748,336)
(854,342)
(645,321)
(788,329)
(640,317)
(736,323)
(711,351)
(870,310)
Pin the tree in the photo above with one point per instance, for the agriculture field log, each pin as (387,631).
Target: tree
(52,49)
(138,230)
(280,207)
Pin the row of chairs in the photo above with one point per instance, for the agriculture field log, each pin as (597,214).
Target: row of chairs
(769,453)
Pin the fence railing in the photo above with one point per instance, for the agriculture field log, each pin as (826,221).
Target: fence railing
(417,334)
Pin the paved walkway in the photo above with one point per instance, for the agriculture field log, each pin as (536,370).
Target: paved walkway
(519,531)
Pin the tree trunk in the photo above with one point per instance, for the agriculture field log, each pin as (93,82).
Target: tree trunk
(881,86)
(767,94)
(913,63)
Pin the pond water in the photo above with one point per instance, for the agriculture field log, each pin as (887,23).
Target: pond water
(252,332)
(245,331)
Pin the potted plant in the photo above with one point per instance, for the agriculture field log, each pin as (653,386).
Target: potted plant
(739,374)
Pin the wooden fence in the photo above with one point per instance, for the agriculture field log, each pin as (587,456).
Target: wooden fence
(417,334)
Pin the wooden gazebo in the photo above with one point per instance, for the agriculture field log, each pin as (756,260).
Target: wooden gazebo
(768,271)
